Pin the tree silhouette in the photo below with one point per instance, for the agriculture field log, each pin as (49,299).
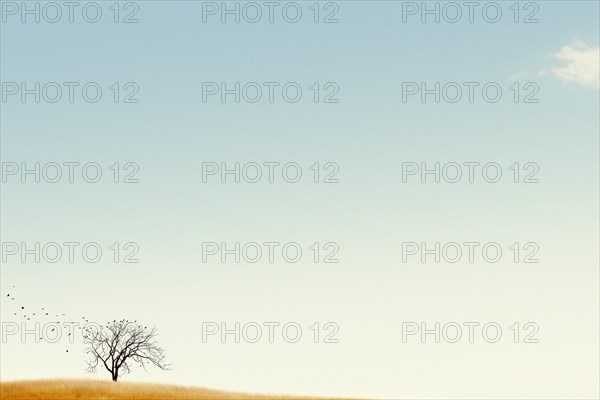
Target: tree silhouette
(119,344)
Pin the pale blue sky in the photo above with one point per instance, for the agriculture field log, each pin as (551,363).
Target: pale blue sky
(369,133)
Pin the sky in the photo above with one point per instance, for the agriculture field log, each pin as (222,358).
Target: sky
(166,141)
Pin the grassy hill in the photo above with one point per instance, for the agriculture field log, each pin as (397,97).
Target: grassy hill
(107,390)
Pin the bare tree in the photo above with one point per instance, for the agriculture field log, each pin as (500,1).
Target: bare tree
(121,343)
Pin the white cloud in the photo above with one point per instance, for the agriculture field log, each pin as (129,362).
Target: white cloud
(582,65)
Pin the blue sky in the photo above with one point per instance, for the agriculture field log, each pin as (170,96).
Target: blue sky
(369,133)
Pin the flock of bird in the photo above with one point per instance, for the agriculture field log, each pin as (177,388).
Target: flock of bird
(27,313)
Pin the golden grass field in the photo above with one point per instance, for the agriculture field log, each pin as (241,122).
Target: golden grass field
(108,390)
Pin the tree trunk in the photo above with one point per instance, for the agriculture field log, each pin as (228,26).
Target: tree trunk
(115,375)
